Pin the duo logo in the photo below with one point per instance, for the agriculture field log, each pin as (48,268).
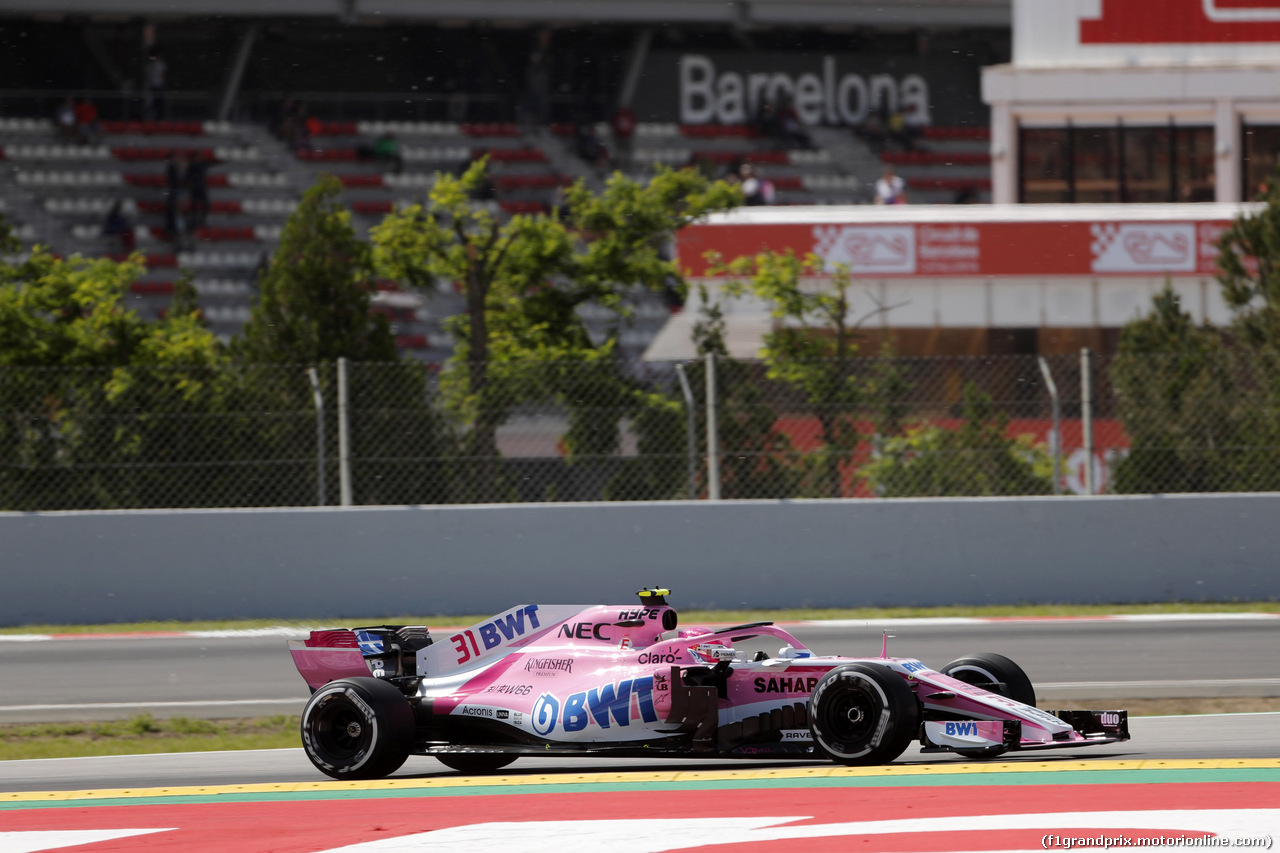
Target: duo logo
(605,705)
(962,729)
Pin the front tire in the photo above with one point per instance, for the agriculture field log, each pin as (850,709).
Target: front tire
(357,728)
(476,764)
(863,714)
(995,674)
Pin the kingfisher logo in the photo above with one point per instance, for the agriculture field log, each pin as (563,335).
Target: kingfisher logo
(962,729)
(607,705)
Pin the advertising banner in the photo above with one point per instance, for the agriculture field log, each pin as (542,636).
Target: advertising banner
(1183,22)
(728,87)
(972,248)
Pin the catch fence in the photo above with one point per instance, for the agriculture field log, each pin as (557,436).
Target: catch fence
(413,433)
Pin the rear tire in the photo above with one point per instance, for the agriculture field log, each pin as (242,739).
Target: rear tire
(996,674)
(477,764)
(863,714)
(357,728)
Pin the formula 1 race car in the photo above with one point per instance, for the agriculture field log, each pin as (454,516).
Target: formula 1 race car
(617,681)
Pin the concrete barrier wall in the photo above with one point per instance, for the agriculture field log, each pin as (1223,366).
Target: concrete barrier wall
(387,561)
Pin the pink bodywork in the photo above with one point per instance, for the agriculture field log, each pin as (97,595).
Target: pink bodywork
(601,674)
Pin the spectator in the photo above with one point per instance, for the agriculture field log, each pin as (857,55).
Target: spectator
(535,108)
(757,190)
(891,189)
(592,151)
(386,149)
(197,178)
(87,126)
(874,131)
(118,227)
(153,78)
(65,119)
(623,125)
(765,121)
(175,176)
(901,132)
(791,131)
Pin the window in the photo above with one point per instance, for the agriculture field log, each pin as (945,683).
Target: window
(1162,163)
(1261,142)
(1044,166)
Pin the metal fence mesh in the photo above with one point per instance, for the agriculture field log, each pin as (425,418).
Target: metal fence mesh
(247,436)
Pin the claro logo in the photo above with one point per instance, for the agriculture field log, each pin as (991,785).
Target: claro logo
(819,97)
(659,657)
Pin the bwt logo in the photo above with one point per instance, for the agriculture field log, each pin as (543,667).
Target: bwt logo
(962,729)
(604,705)
(508,626)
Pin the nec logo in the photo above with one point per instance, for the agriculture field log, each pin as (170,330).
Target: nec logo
(584,631)
(605,705)
(506,627)
(962,729)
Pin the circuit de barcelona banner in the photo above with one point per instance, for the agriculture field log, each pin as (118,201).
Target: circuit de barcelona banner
(724,87)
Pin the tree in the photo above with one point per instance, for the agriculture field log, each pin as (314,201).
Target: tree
(1249,271)
(314,302)
(976,459)
(525,279)
(107,432)
(314,309)
(814,350)
(1190,404)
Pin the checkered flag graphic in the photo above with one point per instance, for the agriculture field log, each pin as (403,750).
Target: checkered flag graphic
(1104,234)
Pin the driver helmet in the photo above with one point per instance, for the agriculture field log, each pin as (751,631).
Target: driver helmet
(707,651)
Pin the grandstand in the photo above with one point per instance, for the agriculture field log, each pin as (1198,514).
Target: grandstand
(450,82)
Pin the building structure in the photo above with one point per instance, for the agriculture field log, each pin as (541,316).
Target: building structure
(1120,101)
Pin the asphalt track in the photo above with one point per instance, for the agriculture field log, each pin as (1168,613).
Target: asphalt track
(1069,660)
(1154,740)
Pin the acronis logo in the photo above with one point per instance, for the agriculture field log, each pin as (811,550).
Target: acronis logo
(607,705)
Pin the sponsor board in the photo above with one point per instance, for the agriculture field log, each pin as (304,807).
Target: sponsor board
(1070,248)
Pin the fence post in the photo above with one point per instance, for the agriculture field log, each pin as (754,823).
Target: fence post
(1055,439)
(344,435)
(691,431)
(319,398)
(713,444)
(1086,417)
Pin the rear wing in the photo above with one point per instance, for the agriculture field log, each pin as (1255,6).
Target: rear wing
(485,641)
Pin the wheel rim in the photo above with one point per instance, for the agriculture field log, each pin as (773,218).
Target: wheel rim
(339,731)
(851,716)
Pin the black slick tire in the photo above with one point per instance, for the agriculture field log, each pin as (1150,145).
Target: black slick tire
(863,714)
(994,673)
(357,728)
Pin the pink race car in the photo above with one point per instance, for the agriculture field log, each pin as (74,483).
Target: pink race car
(618,681)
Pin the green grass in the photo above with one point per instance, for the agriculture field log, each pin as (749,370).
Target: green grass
(144,734)
(688,617)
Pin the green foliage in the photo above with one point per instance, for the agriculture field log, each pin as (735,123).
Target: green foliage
(1249,265)
(70,438)
(1194,407)
(813,349)
(976,459)
(756,458)
(524,281)
(314,302)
